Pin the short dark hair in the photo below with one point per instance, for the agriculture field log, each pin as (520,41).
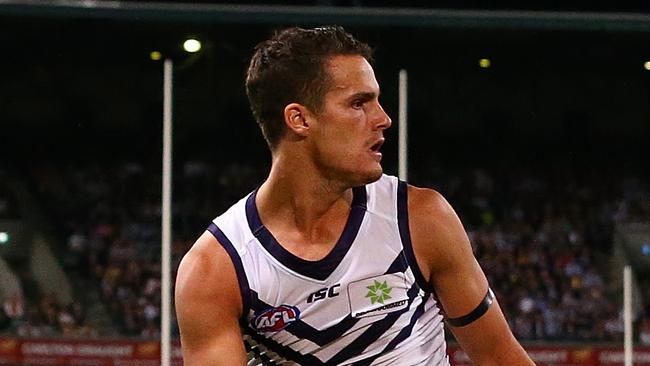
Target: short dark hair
(290,67)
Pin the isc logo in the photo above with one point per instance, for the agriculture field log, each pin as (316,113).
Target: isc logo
(323,293)
(275,319)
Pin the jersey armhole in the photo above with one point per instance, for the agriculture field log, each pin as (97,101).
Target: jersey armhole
(405,235)
(242,280)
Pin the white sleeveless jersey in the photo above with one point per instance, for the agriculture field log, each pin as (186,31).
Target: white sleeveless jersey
(365,303)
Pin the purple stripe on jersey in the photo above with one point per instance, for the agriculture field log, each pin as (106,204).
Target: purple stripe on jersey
(405,234)
(302,330)
(322,337)
(399,265)
(258,355)
(284,351)
(373,332)
(244,289)
(320,269)
(402,335)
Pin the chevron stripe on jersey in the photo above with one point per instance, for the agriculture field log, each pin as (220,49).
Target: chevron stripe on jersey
(365,303)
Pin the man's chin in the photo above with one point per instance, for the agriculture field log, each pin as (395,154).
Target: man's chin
(372,176)
(358,177)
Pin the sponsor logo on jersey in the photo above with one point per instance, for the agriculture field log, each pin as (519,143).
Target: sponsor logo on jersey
(275,319)
(324,293)
(379,292)
(380,310)
(378,295)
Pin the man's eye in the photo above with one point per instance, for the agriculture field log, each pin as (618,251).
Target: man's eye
(357,104)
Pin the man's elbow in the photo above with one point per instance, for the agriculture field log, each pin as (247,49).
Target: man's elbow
(510,354)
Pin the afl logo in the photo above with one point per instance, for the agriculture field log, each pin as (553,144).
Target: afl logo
(275,319)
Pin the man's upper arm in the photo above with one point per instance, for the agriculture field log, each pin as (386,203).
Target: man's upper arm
(446,260)
(208,306)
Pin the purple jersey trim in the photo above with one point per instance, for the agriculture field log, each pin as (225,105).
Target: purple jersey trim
(405,234)
(320,269)
(244,289)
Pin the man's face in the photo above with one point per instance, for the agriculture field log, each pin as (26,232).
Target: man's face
(349,129)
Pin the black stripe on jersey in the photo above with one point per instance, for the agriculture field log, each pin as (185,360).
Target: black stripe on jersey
(322,337)
(365,339)
(373,332)
(402,335)
(405,235)
(399,264)
(257,355)
(244,289)
(303,330)
(284,351)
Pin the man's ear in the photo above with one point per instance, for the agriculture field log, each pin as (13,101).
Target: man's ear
(295,117)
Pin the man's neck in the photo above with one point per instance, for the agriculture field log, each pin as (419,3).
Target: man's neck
(299,199)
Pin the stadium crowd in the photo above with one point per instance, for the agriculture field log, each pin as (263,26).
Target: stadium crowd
(541,236)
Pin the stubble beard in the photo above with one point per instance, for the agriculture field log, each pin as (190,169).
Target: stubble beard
(350,175)
(360,178)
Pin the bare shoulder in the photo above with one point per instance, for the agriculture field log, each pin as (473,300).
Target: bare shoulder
(444,255)
(206,273)
(209,306)
(427,204)
(437,234)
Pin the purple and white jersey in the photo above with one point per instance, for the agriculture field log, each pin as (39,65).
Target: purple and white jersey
(365,303)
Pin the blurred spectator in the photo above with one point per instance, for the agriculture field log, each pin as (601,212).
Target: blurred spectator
(14,306)
(50,319)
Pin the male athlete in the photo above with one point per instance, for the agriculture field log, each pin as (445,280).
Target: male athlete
(330,262)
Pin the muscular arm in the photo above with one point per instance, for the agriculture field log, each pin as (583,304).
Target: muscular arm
(208,306)
(445,258)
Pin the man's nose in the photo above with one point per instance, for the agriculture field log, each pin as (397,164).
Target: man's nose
(383,121)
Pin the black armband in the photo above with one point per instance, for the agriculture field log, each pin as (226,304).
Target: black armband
(478,312)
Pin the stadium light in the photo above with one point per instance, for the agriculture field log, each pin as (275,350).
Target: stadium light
(4,237)
(484,63)
(155,55)
(646,65)
(192,45)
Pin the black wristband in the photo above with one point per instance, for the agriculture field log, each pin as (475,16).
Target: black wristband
(481,309)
